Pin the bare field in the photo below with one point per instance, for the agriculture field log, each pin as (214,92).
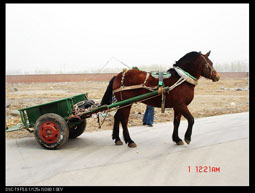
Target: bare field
(87,77)
(229,95)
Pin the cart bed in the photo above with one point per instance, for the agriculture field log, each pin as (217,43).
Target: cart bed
(62,107)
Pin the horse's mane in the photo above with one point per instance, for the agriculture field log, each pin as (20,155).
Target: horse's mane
(186,59)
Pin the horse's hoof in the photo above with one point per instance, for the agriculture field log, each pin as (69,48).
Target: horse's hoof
(180,143)
(187,141)
(119,142)
(132,145)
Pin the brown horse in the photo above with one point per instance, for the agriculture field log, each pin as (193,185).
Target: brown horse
(133,82)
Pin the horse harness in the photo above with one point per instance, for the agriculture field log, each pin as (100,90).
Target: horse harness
(208,66)
(184,76)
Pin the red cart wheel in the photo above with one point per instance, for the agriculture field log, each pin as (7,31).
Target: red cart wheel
(51,131)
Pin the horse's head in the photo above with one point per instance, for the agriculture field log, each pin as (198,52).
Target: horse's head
(208,70)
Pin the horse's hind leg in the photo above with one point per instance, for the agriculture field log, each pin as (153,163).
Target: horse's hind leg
(175,137)
(115,132)
(124,113)
(126,135)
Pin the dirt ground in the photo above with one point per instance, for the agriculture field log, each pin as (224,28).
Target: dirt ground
(229,95)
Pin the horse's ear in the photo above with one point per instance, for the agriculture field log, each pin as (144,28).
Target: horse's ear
(199,52)
(208,53)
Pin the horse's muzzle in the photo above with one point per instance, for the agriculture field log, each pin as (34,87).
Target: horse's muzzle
(216,77)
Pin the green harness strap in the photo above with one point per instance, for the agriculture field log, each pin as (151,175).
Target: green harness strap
(186,73)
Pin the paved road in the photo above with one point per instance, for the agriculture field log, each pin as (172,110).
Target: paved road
(221,143)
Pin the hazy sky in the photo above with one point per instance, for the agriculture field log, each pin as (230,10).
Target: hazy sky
(83,37)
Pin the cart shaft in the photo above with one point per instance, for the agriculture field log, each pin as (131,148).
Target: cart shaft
(124,102)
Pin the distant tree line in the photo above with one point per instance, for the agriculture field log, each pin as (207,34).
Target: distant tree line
(227,67)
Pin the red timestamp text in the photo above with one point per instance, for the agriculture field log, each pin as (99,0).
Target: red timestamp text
(204,169)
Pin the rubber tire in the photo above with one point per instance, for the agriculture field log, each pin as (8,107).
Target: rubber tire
(62,125)
(78,130)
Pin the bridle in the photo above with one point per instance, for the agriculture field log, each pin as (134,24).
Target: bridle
(207,65)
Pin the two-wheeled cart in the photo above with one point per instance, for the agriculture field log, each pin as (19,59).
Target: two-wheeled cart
(55,122)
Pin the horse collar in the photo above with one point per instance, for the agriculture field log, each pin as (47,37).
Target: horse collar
(189,78)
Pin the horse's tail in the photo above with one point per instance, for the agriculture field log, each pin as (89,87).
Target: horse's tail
(107,98)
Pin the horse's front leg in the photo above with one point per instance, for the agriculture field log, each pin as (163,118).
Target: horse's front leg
(175,137)
(190,118)
(183,109)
